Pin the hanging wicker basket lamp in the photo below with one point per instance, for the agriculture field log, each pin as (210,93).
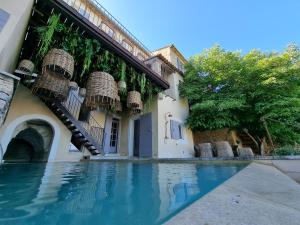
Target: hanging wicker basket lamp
(101,91)
(58,68)
(60,62)
(50,86)
(137,110)
(133,99)
(26,66)
(134,102)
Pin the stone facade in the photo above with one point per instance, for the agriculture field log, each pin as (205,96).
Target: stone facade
(217,135)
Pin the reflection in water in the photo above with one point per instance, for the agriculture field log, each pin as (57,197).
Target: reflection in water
(103,193)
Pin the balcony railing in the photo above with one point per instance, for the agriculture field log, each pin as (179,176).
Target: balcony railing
(82,7)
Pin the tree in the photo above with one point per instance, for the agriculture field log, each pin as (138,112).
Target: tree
(227,89)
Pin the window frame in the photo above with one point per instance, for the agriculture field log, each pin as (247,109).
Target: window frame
(83,11)
(179,130)
(107,29)
(124,41)
(141,57)
(3,19)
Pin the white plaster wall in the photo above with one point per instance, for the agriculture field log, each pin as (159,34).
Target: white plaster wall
(26,106)
(169,148)
(12,35)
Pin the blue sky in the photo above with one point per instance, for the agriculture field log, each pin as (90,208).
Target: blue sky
(193,25)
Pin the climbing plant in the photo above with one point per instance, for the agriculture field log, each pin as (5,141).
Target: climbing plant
(46,35)
(89,55)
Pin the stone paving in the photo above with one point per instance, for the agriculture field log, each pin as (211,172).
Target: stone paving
(258,195)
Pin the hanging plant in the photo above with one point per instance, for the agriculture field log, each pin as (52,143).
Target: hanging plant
(91,48)
(122,86)
(142,83)
(133,79)
(88,53)
(46,35)
(105,64)
(71,41)
(149,93)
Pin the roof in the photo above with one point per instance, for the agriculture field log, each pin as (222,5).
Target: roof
(172,46)
(167,62)
(118,25)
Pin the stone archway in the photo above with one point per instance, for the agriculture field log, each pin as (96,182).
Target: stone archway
(31,141)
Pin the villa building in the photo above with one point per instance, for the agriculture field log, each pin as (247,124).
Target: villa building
(33,128)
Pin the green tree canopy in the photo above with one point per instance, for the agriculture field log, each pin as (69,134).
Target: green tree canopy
(228,89)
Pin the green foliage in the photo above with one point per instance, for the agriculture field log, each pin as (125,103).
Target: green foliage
(287,150)
(133,79)
(89,56)
(142,82)
(46,35)
(123,71)
(227,89)
(88,53)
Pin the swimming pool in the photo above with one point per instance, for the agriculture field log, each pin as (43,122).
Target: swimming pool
(99,193)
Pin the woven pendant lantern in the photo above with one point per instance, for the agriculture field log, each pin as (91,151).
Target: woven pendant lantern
(133,99)
(136,110)
(60,62)
(101,90)
(26,66)
(51,86)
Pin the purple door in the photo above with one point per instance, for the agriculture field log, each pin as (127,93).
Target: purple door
(145,135)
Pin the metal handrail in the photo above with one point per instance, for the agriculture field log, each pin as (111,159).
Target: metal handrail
(91,126)
(74,3)
(120,25)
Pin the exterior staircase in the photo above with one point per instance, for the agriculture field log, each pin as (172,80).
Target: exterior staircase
(85,134)
(248,142)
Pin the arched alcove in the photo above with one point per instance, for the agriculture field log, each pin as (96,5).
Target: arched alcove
(31,141)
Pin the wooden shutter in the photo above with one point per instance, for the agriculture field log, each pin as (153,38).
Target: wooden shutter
(3,18)
(172,129)
(175,131)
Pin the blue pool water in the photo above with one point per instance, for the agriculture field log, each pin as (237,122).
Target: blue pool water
(103,193)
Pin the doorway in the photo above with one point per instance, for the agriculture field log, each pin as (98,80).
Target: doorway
(142,142)
(111,140)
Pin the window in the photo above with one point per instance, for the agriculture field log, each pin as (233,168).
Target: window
(83,12)
(126,45)
(107,29)
(179,64)
(140,57)
(176,130)
(3,18)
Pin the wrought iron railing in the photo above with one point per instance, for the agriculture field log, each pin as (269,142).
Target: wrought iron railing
(81,6)
(91,126)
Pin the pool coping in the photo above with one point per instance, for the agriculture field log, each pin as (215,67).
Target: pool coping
(258,194)
(214,159)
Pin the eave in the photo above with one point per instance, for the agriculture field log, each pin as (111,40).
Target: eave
(106,40)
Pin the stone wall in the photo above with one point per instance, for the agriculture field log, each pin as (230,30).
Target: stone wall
(216,135)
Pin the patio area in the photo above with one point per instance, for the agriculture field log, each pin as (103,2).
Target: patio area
(259,194)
